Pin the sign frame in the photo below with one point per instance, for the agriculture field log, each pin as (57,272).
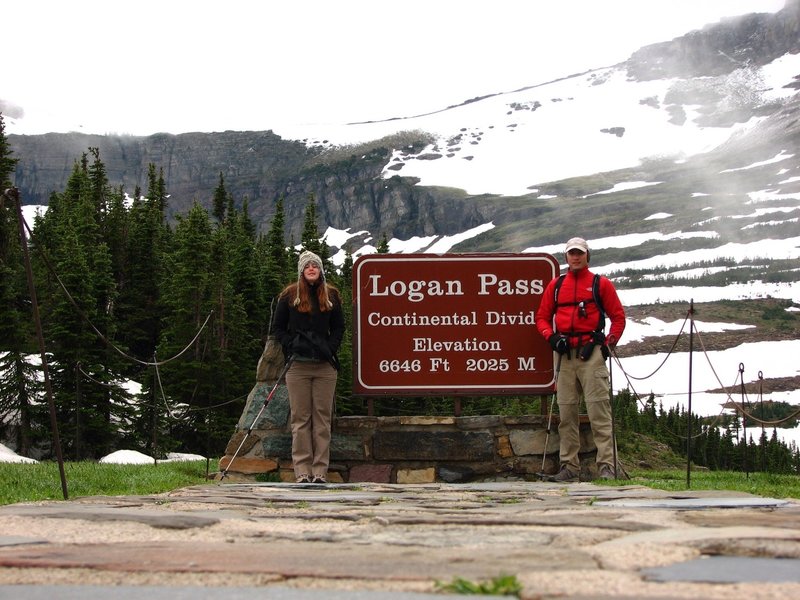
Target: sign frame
(497,295)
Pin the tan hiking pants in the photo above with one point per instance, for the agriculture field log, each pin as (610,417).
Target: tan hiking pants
(587,379)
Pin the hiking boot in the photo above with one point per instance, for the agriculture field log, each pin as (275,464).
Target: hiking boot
(605,472)
(564,475)
(303,478)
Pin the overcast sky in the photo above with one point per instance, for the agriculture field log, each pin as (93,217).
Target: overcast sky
(149,66)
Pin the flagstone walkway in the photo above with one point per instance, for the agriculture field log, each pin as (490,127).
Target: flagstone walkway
(397,541)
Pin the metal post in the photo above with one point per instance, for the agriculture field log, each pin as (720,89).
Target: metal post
(154,407)
(744,422)
(763,433)
(13,195)
(689,412)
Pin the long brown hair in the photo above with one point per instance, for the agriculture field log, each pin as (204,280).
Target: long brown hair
(298,290)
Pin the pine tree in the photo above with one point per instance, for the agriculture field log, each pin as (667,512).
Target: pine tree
(247,222)
(245,281)
(139,309)
(230,350)
(188,296)
(115,234)
(344,383)
(77,268)
(219,200)
(383,246)
(22,415)
(274,256)
(728,453)
(310,239)
(648,421)
(713,449)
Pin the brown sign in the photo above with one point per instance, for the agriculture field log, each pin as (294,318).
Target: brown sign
(428,324)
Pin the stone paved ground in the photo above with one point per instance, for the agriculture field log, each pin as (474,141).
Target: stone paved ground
(559,540)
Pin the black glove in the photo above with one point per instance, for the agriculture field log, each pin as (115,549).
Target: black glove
(559,343)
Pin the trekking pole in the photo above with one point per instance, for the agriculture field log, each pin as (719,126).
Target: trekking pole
(611,402)
(257,417)
(550,416)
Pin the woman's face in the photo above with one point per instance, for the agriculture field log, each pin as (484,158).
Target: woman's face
(311,272)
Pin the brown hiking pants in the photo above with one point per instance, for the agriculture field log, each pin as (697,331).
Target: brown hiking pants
(311,387)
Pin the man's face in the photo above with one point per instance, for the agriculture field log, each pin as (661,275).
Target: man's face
(577,259)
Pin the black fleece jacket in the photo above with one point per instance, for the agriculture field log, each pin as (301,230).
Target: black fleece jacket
(316,334)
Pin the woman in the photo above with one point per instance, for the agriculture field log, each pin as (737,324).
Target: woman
(309,324)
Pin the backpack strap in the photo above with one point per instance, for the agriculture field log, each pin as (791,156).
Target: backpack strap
(601,324)
(557,289)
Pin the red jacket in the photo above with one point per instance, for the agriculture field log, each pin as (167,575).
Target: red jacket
(567,319)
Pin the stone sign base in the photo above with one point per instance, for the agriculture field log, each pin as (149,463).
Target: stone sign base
(402,449)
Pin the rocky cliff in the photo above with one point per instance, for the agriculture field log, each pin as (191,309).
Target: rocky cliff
(753,39)
(259,166)
(253,163)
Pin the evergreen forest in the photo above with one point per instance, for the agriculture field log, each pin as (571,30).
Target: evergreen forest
(181,308)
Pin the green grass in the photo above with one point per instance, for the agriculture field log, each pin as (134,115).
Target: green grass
(504,585)
(42,481)
(760,484)
(36,482)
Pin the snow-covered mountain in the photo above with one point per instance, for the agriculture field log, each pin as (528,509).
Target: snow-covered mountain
(726,188)
(598,121)
(689,145)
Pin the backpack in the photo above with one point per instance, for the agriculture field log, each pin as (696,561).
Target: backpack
(601,325)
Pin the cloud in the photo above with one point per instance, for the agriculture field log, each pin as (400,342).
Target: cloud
(11,110)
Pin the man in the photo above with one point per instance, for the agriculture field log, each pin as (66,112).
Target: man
(574,325)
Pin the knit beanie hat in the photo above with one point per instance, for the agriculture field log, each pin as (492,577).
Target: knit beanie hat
(307,257)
